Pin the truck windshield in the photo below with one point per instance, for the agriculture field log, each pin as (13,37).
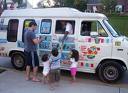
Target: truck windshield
(111,29)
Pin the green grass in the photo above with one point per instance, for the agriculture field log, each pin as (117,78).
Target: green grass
(120,23)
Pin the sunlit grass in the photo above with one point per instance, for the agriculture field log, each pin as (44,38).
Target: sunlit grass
(120,23)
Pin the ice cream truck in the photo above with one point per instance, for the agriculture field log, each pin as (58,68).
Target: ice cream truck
(101,49)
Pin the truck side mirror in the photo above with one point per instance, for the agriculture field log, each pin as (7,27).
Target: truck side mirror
(94,34)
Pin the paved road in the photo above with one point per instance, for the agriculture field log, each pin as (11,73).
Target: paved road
(5,62)
(85,82)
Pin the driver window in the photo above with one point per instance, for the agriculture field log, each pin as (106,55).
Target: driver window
(92,26)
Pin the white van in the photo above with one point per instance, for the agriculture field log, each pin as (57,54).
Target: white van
(102,50)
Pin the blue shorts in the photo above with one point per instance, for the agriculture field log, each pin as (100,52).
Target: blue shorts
(32,59)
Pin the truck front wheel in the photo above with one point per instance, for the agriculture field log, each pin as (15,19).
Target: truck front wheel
(110,72)
(18,61)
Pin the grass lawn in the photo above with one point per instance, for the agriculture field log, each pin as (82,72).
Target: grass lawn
(120,23)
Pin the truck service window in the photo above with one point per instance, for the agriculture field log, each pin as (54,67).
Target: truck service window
(12,30)
(61,26)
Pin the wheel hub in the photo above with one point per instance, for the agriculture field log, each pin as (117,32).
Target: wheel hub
(18,61)
(110,73)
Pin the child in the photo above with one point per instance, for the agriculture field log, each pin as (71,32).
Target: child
(74,57)
(46,68)
(54,68)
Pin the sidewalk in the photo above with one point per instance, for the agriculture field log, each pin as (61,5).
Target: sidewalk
(14,82)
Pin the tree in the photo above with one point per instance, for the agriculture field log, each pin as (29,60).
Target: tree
(125,3)
(59,3)
(45,4)
(20,3)
(109,5)
(4,5)
(78,4)
(69,3)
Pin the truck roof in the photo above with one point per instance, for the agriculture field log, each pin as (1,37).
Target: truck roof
(51,12)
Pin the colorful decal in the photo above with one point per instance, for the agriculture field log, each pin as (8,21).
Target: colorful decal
(88,53)
(69,43)
(95,40)
(45,28)
(65,56)
(89,39)
(68,39)
(3,30)
(68,47)
(91,52)
(46,38)
(42,52)
(2,26)
(55,45)
(107,40)
(65,63)
(81,57)
(86,65)
(91,65)
(2,49)
(55,37)
(82,64)
(117,43)
(46,43)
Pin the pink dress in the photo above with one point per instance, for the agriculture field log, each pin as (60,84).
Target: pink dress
(73,67)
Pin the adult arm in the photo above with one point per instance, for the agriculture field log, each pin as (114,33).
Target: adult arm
(65,36)
(37,40)
(34,39)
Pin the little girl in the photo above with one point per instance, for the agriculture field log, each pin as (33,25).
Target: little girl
(46,64)
(74,57)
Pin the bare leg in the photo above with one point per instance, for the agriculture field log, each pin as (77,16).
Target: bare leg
(27,72)
(74,78)
(47,79)
(44,79)
(35,69)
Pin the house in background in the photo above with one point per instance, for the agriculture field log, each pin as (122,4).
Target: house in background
(124,4)
(94,5)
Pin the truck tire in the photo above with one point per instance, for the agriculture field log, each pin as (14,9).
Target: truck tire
(110,72)
(18,61)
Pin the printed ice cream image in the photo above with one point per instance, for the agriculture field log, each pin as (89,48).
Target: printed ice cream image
(92,52)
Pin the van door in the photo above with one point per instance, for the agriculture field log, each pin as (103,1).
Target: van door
(93,48)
